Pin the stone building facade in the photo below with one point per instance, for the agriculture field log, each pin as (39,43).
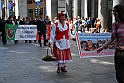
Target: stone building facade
(87,8)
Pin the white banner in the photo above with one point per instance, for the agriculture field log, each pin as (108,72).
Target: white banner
(26,32)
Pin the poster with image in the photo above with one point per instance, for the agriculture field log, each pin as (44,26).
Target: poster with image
(88,43)
(10,31)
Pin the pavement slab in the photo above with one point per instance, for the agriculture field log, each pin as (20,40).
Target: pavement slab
(22,63)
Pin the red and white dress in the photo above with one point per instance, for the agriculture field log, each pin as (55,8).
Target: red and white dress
(60,37)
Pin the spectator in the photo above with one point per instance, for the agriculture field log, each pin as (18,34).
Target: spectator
(27,22)
(2,24)
(41,27)
(89,22)
(118,37)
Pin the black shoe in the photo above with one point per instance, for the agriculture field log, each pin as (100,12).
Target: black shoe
(34,41)
(30,41)
(40,44)
(4,43)
(15,42)
(45,45)
(25,41)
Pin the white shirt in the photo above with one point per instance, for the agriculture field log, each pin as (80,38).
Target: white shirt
(84,22)
(62,43)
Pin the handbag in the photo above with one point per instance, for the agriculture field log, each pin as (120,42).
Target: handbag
(119,52)
(48,57)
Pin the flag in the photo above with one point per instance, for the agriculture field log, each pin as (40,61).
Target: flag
(9,5)
(2,5)
(10,31)
(38,3)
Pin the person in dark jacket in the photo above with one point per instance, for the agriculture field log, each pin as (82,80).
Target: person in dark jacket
(27,22)
(2,24)
(35,23)
(15,22)
(48,22)
(9,21)
(41,27)
(20,22)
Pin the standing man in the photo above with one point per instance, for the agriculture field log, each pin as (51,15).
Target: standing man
(41,27)
(9,20)
(48,22)
(15,22)
(76,24)
(83,25)
(2,24)
(20,22)
(35,23)
(89,22)
(27,22)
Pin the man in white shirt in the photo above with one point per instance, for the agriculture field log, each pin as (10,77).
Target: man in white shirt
(83,25)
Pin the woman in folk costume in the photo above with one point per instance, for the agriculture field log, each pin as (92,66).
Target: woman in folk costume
(60,36)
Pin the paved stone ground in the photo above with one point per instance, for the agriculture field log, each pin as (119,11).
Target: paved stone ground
(21,63)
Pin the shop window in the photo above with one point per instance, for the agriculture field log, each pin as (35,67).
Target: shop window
(29,1)
(30,13)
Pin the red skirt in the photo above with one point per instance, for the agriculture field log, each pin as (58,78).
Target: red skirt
(62,56)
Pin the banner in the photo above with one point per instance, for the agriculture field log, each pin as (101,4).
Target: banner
(10,31)
(88,43)
(48,28)
(26,32)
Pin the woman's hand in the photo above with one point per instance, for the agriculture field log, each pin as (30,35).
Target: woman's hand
(99,50)
(74,39)
(121,47)
(49,45)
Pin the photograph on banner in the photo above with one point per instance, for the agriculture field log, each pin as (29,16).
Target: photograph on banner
(48,28)
(88,43)
(26,32)
(10,31)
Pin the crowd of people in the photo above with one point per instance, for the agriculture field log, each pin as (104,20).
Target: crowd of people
(76,24)
(39,21)
(84,25)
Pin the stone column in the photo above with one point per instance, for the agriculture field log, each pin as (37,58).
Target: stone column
(48,8)
(54,9)
(68,7)
(79,7)
(93,9)
(7,11)
(116,2)
(102,12)
(84,12)
(22,8)
(75,8)
(0,11)
(16,9)
(5,5)
(13,8)
(82,8)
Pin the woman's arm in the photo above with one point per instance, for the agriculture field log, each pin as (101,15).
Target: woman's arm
(107,43)
(52,34)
